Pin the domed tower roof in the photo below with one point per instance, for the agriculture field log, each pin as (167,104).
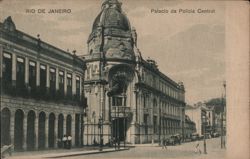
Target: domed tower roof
(112,16)
(111,33)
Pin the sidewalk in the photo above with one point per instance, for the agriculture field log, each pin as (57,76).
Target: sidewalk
(61,153)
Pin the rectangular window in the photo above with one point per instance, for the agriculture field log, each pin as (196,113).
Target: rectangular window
(20,72)
(43,78)
(32,75)
(7,70)
(155,124)
(69,85)
(52,79)
(144,101)
(88,72)
(117,101)
(61,83)
(78,91)
(146,123)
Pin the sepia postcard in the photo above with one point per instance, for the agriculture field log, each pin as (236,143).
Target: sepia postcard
(124,79)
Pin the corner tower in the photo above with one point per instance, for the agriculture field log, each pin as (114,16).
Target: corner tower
(111,33)
(110,75)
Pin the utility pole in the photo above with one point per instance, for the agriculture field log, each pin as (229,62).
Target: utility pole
(222,116)
(204,134)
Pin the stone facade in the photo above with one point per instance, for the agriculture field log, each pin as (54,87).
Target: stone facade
(41,92)
(129,99)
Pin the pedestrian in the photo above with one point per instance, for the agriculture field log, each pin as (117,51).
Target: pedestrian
(197,147)
(59,142)
(164,144)
(64,139)
(69,141)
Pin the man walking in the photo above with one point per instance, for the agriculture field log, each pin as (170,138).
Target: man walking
(64,139)
(69,141)
(197,147)
(164,144)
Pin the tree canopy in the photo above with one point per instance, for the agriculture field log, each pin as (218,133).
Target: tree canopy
(218,104)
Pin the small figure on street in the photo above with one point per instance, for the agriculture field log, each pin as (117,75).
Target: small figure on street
(164,144)
(6,149)
(118,142)
(197,147)
(59,143)
(64,139)
(69,141)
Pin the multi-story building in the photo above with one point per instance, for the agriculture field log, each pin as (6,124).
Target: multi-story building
(41,91)
(203,116)
(189,127)
(210,119)
(129,98)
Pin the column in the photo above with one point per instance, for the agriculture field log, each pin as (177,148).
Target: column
(73,83)
(47,76)
(57,78)
(56,132)
(141,114)
(36,130)
(12,127)
(37,73)
(133,106)
(82,136)
(1,61)
(14,69)
(26,79)
(25,132)
(73,130)
(64,123)
(107,104)
(65,82)
(81,87)
(46,132)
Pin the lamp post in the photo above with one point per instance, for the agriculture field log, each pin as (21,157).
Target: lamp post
(204,132)
(94,116)
(223,110)
(100,126)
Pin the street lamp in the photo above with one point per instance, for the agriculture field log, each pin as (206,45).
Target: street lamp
(223,144)
(204,132)
(94,116)
(100,126)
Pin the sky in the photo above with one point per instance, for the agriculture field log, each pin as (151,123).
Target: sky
(188,47)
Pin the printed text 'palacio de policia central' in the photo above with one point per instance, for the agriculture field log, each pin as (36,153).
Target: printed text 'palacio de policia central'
(109,95)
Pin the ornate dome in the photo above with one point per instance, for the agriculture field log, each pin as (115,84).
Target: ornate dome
(111,16)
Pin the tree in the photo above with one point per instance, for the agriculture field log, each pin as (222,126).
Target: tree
(218,104)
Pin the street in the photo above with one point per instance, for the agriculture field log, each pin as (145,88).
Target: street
(185,150)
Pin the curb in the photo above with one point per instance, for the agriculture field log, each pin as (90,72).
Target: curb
(83,153)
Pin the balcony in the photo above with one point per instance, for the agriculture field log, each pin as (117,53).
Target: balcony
(120,111)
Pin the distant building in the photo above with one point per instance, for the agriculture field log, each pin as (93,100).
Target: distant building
(42,95)
(210,112)
(197,113)
(189,128)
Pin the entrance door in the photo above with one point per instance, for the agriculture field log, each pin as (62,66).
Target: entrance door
(119,128)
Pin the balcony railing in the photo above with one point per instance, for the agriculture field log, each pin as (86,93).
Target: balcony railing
(120,111)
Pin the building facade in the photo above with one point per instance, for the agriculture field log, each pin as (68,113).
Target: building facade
(203,116)
(41,92)
(189,127)
(129,98)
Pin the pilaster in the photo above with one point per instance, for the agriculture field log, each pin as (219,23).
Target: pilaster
(46,132)
(26,77)
(14,69)
(25,131)
(38,73)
